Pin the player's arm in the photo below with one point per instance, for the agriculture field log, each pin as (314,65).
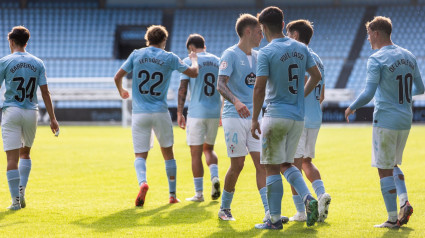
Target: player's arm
(180,102)
(418,84)
(322,94)
(364,98)
(224,90)
(315,77)
(193,70)
(258,100)
(118,83)
(45,93)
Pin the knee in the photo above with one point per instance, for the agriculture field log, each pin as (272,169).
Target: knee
(237,167)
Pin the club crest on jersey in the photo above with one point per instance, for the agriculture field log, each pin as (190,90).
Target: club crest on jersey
(242,62)
(223,65)
(250,80)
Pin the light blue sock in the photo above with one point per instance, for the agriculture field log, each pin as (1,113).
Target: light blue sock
(171,169)
(299,204)
(318,187)
(295,178)
(389,193)
(24,171)
(13,179)
(199,184)
(226,199)
(400,185)
(140,166)
(213,170)
(263,194)
(274,196)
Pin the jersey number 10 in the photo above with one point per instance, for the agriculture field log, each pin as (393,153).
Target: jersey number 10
(407,88)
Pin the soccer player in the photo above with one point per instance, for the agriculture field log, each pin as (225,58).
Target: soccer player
(281,68)
(22,73)
(392,72)
(236,81)
(152,67)
(302,31)
(203,115)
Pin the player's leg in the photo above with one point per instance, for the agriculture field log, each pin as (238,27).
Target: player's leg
(274,197)
(406,209)
(211,156)
(24,172)
(163,128)
(260,173)
(273,143)
(29,127)
(13,177)
(195,136)
(11,127)
(142,142)
(232,175)
(198,173)
(293,175)
(212,162)
(298,201)
(383,157)
(235,136)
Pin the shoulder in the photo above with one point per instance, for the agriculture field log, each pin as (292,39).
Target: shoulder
(212,56)
(407,52)
(187,60)
(230,51)
(36,59)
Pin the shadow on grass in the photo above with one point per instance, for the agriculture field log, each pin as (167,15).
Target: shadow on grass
(136,217)
(301,229)
(401,232)
(226,230)
(4,214)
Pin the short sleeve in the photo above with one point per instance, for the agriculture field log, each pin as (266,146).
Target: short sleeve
(127,66)
(309,61)
(373,71)
(226,64)
(262,64)
(184,76)
(42,80)
(2,73)
(178,64)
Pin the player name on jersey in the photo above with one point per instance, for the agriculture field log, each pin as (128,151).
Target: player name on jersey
(292,55)
(151,60)
(23,65)
(399,62)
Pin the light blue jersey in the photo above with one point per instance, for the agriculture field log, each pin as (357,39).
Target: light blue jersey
(152,68)
(395,72)
(234,63)
(313,112)
(22,73)
(284,61)
(205,100)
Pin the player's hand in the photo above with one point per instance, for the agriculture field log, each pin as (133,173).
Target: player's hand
(124,94)
(242,110)
(220,123)
(181,121)
(255,126)
(54,125)
(348,112)
(193,55)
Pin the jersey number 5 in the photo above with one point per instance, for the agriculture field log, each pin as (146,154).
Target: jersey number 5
(292,78)
(408,78)
(147,77)
(28,91)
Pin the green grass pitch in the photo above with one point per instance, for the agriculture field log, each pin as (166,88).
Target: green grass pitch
(83,184)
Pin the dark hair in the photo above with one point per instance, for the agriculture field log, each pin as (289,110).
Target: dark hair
(197,40)
(20,35)
(243,21)
(156,34)
(272,17)
(304,29)
(380,23)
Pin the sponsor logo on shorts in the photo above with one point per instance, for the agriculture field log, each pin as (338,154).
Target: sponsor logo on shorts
(232,148)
